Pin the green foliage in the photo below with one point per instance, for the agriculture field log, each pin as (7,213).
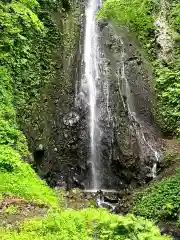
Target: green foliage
(85,225)
(167,212)
(29,62)
(23,72)
(170,158)
(178,222)
(10,210)
(168,95)
(9,159)
(174,17)
(52,5)
(18,25)
(8,133)
(17,178)
(139,17)
(161,200)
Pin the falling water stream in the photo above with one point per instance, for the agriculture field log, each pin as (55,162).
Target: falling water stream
(144,144)
(92,74)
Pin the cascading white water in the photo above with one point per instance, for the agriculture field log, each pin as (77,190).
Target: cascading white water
(91,61)
(147,146)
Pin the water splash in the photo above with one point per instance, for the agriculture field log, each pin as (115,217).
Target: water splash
(102,204)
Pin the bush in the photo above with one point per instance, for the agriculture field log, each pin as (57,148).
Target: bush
(161,200)
(9,159)
(18,178)
(168,95)
(85,225)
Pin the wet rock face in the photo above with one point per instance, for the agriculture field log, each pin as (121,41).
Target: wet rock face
(71,119)
(126,161)
(134,140)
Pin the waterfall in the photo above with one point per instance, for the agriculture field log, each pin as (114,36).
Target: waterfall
(92,74)
(98,93)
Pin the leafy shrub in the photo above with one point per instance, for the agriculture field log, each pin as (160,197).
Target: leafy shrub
(167,212)
(8,133)
(168,95)
(85,225)
(9,159)
(17,178)
(175,17)
(160,200)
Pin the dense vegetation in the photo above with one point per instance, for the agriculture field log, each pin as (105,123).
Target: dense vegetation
(20,76)
(140,17)
(85,225)
(161,201)
(28,62)
(28,39)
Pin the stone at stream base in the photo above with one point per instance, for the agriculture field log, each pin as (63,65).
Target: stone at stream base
(105,198)
(79,199)
(170,228)
(73,198)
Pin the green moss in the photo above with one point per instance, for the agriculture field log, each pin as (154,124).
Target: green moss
(161,200)
(85,225)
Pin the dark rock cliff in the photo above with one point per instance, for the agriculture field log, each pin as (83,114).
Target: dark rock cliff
(58,131)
